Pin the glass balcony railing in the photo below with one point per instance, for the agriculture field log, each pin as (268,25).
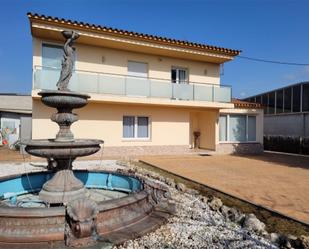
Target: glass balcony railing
(103,83)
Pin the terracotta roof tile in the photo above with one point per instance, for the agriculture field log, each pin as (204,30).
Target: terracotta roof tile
(171,41)
(245,104)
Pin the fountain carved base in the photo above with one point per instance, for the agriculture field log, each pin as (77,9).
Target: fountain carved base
(62,188)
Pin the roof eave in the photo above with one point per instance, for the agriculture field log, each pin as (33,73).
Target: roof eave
(132,35)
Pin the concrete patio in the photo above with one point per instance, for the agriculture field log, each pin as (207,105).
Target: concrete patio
(276,181)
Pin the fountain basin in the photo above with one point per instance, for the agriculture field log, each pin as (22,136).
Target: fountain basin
(131,213)
(49,148)
(64,99)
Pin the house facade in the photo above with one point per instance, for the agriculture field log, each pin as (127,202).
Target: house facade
(148,94)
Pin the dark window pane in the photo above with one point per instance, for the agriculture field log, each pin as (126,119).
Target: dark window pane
(128,126)
(296,98)
(174,75)
(251,128)
(142,127)
(279,100)
(287,99)
(306,97)
(258,99)
(271,103)
(182,76)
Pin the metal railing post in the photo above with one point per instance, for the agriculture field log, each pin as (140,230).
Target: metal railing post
(33,77)
(98,83)
(193,92)
(149,84)
(125,86)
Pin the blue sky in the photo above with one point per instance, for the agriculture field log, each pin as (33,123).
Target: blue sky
(273,29)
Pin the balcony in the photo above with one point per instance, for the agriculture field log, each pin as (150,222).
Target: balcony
(122,85)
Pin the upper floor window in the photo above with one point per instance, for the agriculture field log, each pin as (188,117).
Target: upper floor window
(179,75)
(137,69)
(52,55)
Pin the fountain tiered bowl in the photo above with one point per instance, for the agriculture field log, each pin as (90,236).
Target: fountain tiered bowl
(64,149)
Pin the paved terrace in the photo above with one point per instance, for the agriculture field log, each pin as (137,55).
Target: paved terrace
(276,181)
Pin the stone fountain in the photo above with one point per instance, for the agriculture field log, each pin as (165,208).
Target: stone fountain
(57,208)
(64,149)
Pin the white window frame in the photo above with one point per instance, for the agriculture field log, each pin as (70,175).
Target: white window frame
(136,138)
(177,75)
(247,133)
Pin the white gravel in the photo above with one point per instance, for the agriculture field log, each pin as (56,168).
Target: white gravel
(195,225)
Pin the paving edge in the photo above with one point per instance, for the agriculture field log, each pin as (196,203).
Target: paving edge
(275,221)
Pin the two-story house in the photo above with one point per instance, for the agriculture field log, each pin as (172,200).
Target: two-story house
(149,94)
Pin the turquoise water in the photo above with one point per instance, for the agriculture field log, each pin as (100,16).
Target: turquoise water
(23,190)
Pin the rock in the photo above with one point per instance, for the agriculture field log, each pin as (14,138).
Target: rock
(230,214)
(254,224)
(170,182)
(283,242)
(215,203)
(304,241)
(161,179)
(289,241)
(225,211)
(275,238)
(294,241)
(204,199)
(240,219)
(181,187)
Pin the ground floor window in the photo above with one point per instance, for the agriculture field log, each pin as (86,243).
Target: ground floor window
(135,127)
(237,128)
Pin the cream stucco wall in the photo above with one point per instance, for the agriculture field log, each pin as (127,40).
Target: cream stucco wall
(168,126)
(205,122)
(102,59)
